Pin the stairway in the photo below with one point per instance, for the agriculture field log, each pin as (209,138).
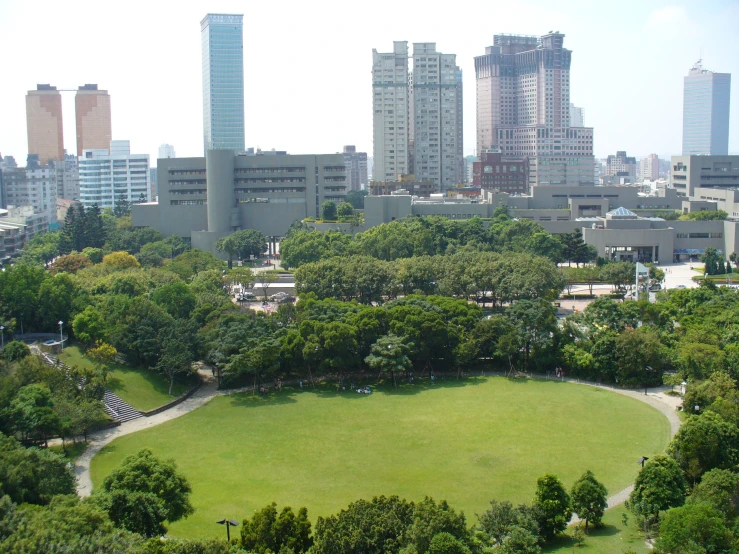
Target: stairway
(114,406)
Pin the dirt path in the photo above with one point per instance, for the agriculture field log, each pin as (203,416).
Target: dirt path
(657,398)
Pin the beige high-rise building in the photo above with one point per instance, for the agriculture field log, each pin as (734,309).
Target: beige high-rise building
(92,109)
(44,123)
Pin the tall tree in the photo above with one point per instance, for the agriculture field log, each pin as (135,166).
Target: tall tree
(390,355)
(658,487)
(553,505)
(589,499)
(328,211)
(227,245)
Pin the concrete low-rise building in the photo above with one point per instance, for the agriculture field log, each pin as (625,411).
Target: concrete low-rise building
(716,172)
(204,199)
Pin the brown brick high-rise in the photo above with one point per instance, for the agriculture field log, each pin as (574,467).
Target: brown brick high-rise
(44,123)
(92,109)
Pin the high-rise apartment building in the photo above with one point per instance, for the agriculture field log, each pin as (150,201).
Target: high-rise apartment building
(621,165)
(222,41)
(31,186)
(435,123)
(576,116)
(356,168)
(107,175)
(92,111)
(523,108)
(67,177)
(44,123)
(649,167)
(706,112)
(166,151)
(417,125)
(390,104)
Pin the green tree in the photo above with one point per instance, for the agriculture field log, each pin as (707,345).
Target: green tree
(328,211)
(15,350)
(228,246)
(32,413)
(89,325)
(356,198)
(589,499)
(544,244)
(176,359)
(250,242)
(95,255)
(345,209)
(553,505)
(501,519)
(122,206)
(164,492)
(389,354)
(520,541)
(176,298)
(719,488)
(659,486)
(694,528)
(711,260)
(640,358)
(71,263)
(267,532)
(446,543)
(703,443)
(430,519)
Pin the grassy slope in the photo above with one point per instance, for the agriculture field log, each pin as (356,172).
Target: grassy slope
(612,538)
(142,388)
(465,442)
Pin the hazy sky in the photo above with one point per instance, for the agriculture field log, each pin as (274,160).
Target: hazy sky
(307,65)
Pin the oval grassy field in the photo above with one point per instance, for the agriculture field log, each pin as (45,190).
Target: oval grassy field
(467,442)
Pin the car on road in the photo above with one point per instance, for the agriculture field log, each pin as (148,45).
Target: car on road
(680,287)
(279,295)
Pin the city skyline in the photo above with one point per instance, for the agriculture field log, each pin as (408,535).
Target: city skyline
(289,109)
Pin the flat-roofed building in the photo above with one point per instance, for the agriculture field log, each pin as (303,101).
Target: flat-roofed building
(690,172)
(44,123)
(92,111)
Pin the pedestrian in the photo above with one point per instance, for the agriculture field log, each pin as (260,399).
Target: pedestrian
(432,378)
(301,384)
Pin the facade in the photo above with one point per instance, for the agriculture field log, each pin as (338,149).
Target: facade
(706,97)
(356,168)
(67,177)
(523,109)
(44,123)
(391,109)
(408,183)
(92,111)
(621,165)
(649,168)
(166,151)
(222,41)
(32,187)
(691,172)
(576,116)
(204,199)
(108,175)
(494,172)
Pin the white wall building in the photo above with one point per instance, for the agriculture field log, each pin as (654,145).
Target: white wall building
(576,116)
(67,177)
(106,177)
(166,151)
(649,168)
(31,187)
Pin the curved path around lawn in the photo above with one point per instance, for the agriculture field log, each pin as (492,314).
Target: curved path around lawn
(667,405)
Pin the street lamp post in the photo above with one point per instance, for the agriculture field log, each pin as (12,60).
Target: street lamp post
(61,333)
(228,523)
(2,336)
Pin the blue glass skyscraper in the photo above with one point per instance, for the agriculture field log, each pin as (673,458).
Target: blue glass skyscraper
(222,38)
(706,112)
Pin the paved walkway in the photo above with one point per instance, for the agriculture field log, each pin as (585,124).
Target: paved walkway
(656,398)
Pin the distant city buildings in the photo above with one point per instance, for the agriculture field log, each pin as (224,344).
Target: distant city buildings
(417,125)
(407,183)
(67,177)
(356,168)
(523,109)
(621,165)
(166,151)
(32,186)
(576,116)
(92,110)
(222,40)
(493,172)
(44,123)
(706,97)
(109,175)
(649,167)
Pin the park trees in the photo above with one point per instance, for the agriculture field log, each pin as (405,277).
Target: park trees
(553,506)
(144,492)
(356,198)
(89,325)
(228,246)
(345,209)
(430,519)
(269,532)
(71,263)
(694,528)
(120,260)
(658,487)
(32,413)
(389,355)
(639,357)
(575,250)
(703,443)
(712,259)
(536,328)
(719,488)
(503,520)
(175,359)
(589,499)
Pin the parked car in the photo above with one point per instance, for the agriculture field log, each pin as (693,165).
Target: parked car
(278,296)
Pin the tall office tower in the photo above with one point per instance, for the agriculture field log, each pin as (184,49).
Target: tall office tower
(356,168)
(390,103)
(222,40)
(706,112)
(462,172)
(576,116)
(649,167)
(523,109)
(166,151)
(92,110)
(435,123)
(44,123)
(109,174)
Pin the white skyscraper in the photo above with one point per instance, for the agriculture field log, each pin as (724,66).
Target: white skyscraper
(390,104)
(576,116)
(418,115)
(106,177)
(166,151)
(706,98)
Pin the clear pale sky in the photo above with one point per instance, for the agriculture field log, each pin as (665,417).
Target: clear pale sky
(307,65)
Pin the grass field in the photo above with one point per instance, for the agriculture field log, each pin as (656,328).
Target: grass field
(467,442)
(141,388)
(613,538)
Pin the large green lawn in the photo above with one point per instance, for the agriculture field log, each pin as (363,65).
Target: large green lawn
(143,389)
(612,538)
(467,442)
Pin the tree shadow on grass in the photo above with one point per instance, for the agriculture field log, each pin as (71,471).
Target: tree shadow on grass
(565,542)
(254,400)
